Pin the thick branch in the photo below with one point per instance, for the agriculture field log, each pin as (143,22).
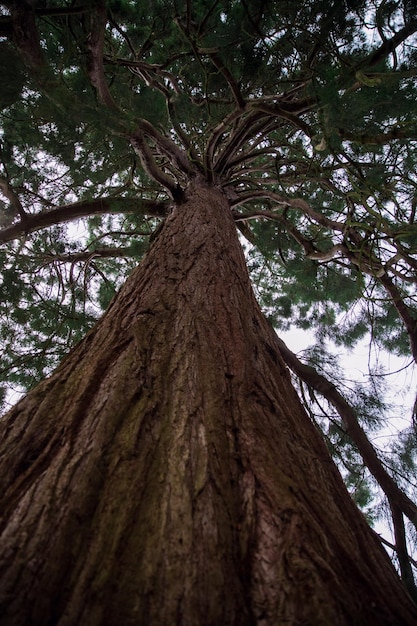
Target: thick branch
(402,552)
(234,88)
(13,198)
(183,136)
(392,547)
(60,11)
(249,127)
(216,136)
(95,45)
(403,311)
(150,166)
(380,139)
(74,211)
(167,147)
(149,77)
(25,33)
(388,46)
(277,111)
(323,386)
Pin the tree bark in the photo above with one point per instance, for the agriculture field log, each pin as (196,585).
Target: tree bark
(167,474)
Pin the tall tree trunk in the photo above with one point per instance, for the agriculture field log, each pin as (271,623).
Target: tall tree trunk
(167,474)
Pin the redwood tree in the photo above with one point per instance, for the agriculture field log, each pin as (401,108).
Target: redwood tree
(166,472)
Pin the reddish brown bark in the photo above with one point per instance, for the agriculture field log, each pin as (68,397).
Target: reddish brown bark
(166,473)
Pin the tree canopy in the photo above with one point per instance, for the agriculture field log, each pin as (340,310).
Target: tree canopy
(303,113)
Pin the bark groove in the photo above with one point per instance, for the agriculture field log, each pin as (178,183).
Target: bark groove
(167,474)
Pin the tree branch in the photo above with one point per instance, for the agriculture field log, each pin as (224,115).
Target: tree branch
(150,166)
(281,112)
(13,198)
(388,46)
(216,136)
(379,139)
(60,11)
(88,255)
(234,88)
(182,135)
(25,34)
(248,127)
(70,212)
(297,203)
(367,262)
(410,322)
(323,386)
(147,72)
(95,46)
(167,147)
(392,547)
(402,552)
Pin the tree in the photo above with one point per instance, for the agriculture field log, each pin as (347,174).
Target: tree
(166,471)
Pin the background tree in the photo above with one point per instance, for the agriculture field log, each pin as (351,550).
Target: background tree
(301,115)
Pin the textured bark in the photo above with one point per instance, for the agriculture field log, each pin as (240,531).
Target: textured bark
(167,474)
